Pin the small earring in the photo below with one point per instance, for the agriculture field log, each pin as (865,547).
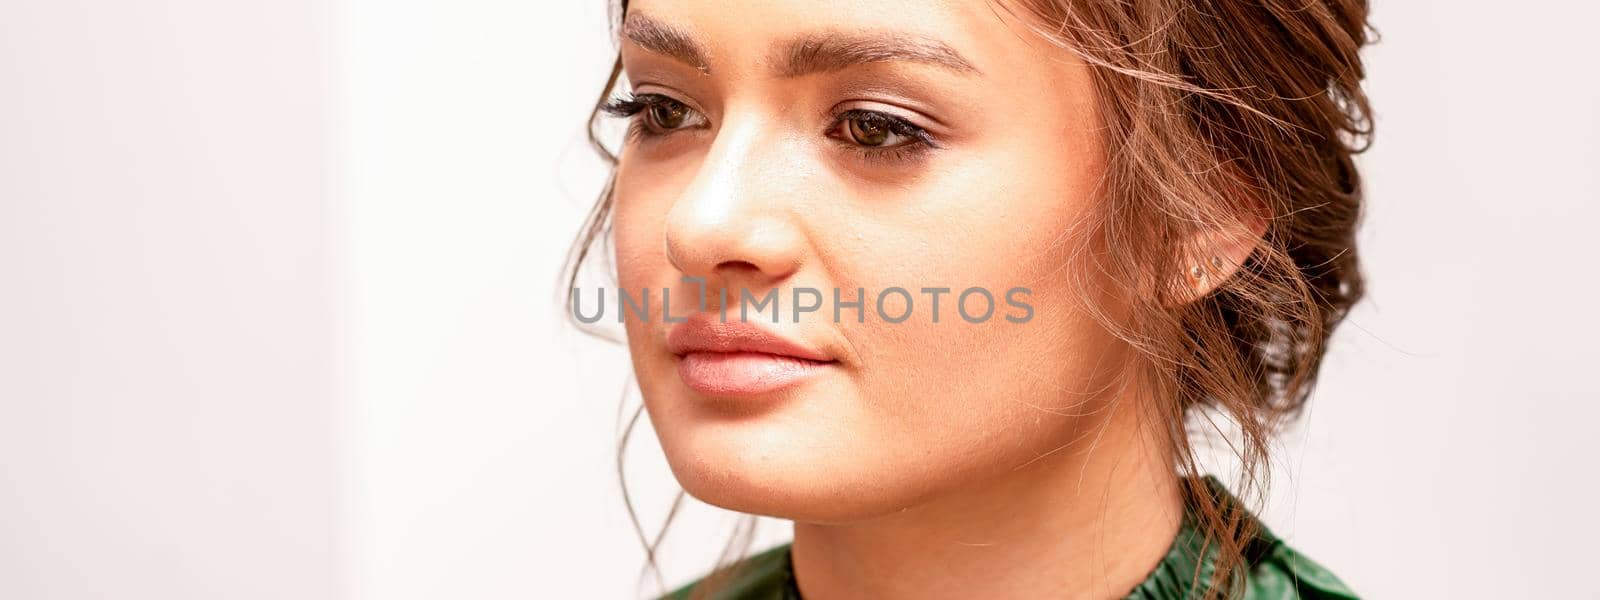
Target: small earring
(1197,273)
(1216,263)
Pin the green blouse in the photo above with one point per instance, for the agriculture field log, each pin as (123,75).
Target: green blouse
(1274,571)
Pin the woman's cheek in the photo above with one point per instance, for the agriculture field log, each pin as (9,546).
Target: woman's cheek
(989,387)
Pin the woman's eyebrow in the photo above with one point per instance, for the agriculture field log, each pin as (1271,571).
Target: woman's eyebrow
(825,52)
(820,52)
(665,39)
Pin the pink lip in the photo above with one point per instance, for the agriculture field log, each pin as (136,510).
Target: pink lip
(739,359)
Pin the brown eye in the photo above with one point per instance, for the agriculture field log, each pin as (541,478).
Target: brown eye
(871,129)
(668,115)
(868,131)
(655,115)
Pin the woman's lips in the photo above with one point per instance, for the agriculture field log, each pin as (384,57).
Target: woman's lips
(743,373)
(719,358)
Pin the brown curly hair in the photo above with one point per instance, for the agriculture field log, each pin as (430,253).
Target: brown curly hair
(1216,113)
(1219,112)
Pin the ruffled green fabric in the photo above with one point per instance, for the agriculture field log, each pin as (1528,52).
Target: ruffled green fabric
(1274,570)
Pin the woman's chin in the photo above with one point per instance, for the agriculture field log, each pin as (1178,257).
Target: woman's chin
(789,481)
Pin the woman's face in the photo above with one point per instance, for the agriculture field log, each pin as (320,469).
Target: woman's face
(856,145)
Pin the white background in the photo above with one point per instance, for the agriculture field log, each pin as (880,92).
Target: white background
(279,319)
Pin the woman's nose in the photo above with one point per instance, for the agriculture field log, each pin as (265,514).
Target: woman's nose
(736,220)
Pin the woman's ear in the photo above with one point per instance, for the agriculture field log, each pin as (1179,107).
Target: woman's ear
(1214,253)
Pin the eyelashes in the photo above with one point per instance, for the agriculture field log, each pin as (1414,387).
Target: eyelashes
(653,115)
(871,135)
(876,135)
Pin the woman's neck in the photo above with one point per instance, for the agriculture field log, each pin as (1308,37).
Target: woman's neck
(1089,521)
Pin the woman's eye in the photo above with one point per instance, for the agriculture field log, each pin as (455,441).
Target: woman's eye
(663,115)
(668,115)
(876,130)
(654,114)
(869,133)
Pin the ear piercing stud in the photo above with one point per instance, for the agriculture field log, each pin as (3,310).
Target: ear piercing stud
(1199,273)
